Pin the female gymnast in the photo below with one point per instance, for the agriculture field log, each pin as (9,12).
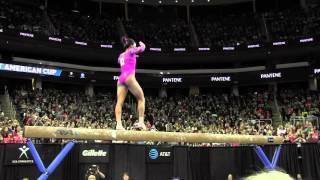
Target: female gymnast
(127,81)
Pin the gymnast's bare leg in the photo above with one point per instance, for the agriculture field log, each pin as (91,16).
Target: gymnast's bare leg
(135,88)
(122,91)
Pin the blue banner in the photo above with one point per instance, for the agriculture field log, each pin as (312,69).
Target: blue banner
(30,69)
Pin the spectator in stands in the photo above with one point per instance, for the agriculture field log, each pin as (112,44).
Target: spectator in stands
(125,176)
(276,175)
(313,136)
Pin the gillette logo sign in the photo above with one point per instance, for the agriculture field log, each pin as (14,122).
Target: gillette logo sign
(270,75)
(220,78)
(172,80)
(94,153)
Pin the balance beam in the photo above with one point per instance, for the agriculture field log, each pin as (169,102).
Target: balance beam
(122,135)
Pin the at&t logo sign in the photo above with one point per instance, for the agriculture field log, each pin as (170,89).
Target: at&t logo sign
(153,154)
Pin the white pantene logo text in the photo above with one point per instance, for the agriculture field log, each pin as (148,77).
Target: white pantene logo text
(94,153)
(172,80)
(270,75)
(220,78)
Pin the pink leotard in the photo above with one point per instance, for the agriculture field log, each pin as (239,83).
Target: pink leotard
(127,61)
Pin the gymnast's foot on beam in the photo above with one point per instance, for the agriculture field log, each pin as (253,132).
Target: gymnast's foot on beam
(120,127)
(140,125)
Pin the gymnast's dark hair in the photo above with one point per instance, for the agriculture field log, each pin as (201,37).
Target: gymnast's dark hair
(127,42)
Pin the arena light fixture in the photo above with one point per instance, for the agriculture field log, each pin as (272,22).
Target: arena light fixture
(71,74)
(176,1)
(192,1)
(82,76)
(1,30)
(160,2)
(75,7)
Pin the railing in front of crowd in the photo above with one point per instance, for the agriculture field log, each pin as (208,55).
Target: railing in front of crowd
(311,118)
(260,122)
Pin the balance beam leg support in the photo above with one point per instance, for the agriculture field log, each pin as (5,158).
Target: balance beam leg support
(56,162)
(46,172)
(263,158)
(276,156)
(36,156)
(43,176)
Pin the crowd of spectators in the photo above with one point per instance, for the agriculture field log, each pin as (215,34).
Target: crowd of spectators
(171,33)
(229,29)
(22,18)
(76,26)
(220,29)
(70,25)
(10,130)
(249,113)
(293,24)
(52,107)
(298,102)
(207,113)
(56,108)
